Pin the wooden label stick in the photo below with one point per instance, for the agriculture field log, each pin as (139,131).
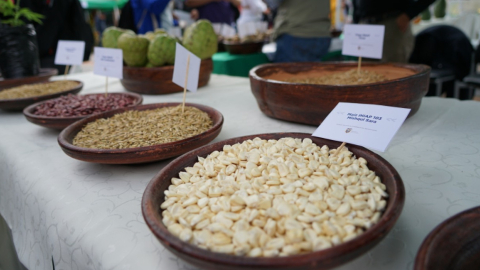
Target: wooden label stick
(66,72)
(359,65)
(106,86)
(185,85)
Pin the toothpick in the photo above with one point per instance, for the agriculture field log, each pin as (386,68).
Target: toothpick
(106,86)
(359,64)
(66,72)
(185,85)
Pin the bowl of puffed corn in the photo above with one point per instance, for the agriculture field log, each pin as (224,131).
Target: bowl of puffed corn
(279,200)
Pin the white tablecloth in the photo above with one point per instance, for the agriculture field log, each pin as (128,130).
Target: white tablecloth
(88,216)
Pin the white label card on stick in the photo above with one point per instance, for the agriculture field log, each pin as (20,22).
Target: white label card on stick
(108,62)
(371,126)
(180,68)
(363,40)
(69,52)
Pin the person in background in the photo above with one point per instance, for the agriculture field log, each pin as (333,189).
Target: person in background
(216,11)
(395,15)
(302,30)
(147,14)
(252,11)
(64,20)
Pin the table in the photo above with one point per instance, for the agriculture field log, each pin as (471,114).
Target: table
(88,216)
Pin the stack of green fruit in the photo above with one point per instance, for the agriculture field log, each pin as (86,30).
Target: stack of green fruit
(155,49)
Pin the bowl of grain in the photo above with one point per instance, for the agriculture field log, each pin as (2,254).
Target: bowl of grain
(141,134)
(17,98)
(453,245)
(58,113)
(43,76)
(273,201)
(307,92)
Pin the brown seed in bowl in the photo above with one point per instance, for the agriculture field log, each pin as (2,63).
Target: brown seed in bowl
(39,89)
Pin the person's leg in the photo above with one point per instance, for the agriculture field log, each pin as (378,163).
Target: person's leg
(397,45)
(297,49)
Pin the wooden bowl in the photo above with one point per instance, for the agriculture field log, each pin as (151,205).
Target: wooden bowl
(19,104)
(243,48)
(57,122)
(453,245)
(310,103)
(153,197)
(158,80)
(43,76)
(138,154)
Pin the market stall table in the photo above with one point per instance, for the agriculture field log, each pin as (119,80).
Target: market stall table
(88,216)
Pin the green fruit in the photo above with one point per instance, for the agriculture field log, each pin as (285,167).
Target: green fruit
(134,49)
(149,65)
(111,34)
(440,9)
(426,15)
(160,31)
(200,39)
(162,50)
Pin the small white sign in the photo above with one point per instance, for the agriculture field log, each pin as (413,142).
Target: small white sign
(371,126)
(180,68)
(363,40)
(108,62)
(217,28)
(69,52)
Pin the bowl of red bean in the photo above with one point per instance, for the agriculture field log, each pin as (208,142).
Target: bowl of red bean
(58,113)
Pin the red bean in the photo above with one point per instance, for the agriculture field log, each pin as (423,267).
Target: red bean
(72,105)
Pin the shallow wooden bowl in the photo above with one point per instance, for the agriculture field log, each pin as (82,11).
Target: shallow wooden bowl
(19,104)
(310,103)
(60,123)
(243,48)
(158,80)
(43,76)
(153,197)
(138,154)
(452,245)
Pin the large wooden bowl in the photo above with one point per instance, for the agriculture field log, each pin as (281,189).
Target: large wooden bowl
(57,122)
(158,80)
(310,103)
(243,48)
(138,154)
(153,197)
(43,76)
(19,104)
(452,245)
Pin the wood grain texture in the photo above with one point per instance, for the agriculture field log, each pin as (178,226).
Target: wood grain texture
(158,80)
(243,48)
(139,154)
(43,76)
(63,122)
(19,104)
(310,104)
(153,197)
(452,245)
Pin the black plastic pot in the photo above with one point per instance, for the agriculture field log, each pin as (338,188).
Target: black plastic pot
(18,52)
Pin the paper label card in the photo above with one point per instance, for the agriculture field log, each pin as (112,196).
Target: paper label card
(108,62)
(363,40)
(69,52)
(371,126)
(180,68)
(227,31)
